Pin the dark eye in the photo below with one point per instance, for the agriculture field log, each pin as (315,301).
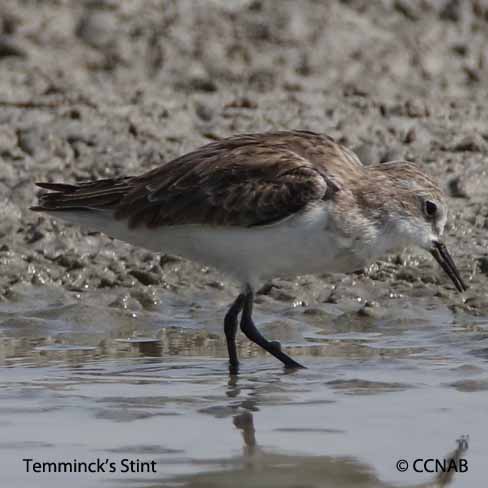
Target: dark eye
(430,208)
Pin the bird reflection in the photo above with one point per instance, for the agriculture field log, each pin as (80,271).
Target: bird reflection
(339,470)
(245,423)
(233,389)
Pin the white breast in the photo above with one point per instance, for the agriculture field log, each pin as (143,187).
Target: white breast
(299,244)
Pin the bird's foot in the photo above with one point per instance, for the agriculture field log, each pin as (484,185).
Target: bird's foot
(275,345)
(233,368)
(292,365)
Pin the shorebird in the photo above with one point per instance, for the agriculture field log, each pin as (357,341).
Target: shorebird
(256,206)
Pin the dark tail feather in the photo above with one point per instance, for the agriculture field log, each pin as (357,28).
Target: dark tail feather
(90,195)
(59,187)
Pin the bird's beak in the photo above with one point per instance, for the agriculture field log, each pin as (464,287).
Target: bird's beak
(442,256)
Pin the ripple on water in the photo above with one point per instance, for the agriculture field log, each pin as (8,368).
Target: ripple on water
(364,387)
(153,387)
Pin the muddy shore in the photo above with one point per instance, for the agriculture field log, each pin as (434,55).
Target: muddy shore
(109,351)
(100,89)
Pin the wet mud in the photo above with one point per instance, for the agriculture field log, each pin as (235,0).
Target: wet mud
(130,343)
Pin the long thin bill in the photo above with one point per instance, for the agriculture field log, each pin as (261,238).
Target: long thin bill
(442,256)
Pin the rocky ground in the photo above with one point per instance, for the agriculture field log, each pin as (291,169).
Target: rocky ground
(93,89)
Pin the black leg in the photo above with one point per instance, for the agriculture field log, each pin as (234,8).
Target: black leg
(230,329)
(253,334)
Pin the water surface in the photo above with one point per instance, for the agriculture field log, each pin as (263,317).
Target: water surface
(85,380)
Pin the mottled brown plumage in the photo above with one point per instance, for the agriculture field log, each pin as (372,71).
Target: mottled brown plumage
(245,180)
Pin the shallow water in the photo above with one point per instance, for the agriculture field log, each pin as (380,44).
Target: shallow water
(87,379)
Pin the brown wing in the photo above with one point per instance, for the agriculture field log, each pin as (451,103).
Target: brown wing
(246,180)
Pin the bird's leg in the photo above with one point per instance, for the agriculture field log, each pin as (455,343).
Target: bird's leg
(253,334)
(230,329)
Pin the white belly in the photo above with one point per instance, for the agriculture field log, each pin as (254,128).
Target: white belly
(297,245)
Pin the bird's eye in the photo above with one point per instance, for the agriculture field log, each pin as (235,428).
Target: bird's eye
(430,208)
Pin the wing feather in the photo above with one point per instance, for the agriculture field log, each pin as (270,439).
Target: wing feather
(245,180)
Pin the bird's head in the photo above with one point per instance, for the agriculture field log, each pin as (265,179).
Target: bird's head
(416,213)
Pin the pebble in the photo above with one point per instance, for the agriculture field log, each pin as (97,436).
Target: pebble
(147,297)
(204,111)
(203,84)
(469,143)
(457,187)
(483,264)
(479,302)
(97,29)
(126,302)
(145,277)
(372,310)
(10,48)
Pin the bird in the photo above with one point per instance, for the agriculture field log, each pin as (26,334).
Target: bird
(262,205)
